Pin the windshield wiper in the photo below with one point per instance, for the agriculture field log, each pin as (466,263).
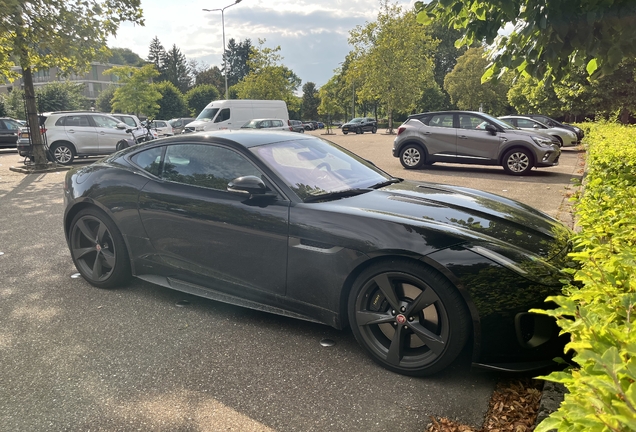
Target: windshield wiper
(338,194)
(386,183)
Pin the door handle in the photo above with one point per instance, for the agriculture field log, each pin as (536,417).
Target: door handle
(102,133)
(427,133)
(462,137)
(71,131)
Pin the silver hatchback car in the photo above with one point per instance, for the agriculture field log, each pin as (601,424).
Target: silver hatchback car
(472,138)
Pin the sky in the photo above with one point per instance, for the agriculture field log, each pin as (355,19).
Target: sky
(312,35)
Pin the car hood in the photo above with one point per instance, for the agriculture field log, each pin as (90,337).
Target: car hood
(468,214)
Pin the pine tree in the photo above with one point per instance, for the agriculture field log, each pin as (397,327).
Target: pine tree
(157,55)
(236,59)
(176,69)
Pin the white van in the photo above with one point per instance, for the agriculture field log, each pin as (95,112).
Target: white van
(234,113)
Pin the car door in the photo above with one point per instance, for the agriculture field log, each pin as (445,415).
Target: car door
(440,135)
(8,133)
(212,237)
(223,119)
(474,141)
(82,133)
(108,133)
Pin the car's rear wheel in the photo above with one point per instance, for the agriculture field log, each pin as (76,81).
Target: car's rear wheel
(98,249)
(412,156)
(345,132)
(374,130)
(122,145)
(410,319)
(517,162)
(63,153)
(359,131)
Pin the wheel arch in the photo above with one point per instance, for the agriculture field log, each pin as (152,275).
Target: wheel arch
(515,146)
(66,142)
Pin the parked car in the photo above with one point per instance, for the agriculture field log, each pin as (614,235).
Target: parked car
(548,121)
(163,127)
(138,129)
(269,124)
(360,125)
(179,124)
(321,125)
(295,225)
(565,137)
(472,138)
(297,126)
(72,134)
(308,125)
(9,129)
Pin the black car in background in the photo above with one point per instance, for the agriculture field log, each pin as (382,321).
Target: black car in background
(294,225)
(360,125)
(9,129)
(553,123)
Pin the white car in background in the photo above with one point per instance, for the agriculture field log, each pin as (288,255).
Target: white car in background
(566,137)
(138,130)
(163,128)
(271,124)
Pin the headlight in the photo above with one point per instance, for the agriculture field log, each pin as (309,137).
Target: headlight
(521,262)
(543,142)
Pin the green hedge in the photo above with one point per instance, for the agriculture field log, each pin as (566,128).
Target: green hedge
(600,316)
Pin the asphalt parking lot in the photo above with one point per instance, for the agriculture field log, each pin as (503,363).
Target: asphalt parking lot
(74,357)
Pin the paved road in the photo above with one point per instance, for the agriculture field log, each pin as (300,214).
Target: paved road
(74,358)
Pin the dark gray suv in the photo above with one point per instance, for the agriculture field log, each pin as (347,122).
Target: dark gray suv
(472,138)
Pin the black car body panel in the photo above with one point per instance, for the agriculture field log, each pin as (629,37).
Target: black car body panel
(297,258)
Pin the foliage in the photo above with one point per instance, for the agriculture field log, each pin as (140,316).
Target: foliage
(329,107)
(125,56)
(136,94)
(311,100)
(548,37)
(212,76)
(600,314)
(172,102)
(267,79)
(157,54)
(527,95)
(236,60)
(3,110)
(467,91)
(392,60)
(175,69)
(199,97)
(444,58)
(103,102)
(61,96)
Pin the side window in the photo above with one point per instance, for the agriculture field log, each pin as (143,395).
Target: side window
(277,123)
(128,120)
(223,115)
(11,125)
(2,125)
(76,121)
(205,165)
(103,121)
(523,123)
(441,120)
(467,121)
(149,160)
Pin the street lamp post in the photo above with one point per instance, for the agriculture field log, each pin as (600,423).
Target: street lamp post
(223,25)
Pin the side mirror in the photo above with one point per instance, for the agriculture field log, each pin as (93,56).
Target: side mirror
(536,126)
(121,125)
(248,185)
(490,128)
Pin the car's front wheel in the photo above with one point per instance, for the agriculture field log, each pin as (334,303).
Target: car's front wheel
(63,153)
(412,156)
(359,131)
(345,132)
(374,130)
(517,162)
(98,249)
(410,318)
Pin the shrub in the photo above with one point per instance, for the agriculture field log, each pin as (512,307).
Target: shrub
(600,316)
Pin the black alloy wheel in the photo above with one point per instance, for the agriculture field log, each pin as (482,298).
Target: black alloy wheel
(98,249)
(408,317)
(518,162)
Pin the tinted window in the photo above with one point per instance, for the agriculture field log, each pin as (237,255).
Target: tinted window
(128,120)
(523,123)
(10,124)
(204,165)
(149,160)
(74,121)
(223,115)
(441,120)
(277,123)
(105,122)
(467,121)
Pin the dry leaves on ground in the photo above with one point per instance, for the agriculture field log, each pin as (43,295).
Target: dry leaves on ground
(513,408)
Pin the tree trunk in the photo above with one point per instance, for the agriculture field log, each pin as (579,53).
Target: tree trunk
(390,131)
(33,120)
(624,118)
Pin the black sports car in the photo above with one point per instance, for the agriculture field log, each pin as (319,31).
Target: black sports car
(295,225)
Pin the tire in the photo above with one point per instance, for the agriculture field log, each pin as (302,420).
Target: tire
(345,132)
(98,249)
(63,153)
(358,131)
(412,156)
(302,131)
(374,130)
(518,162)
(411,319)
(560,141)
(121,145)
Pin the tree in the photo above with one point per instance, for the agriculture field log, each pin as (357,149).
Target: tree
(103,102)
(200,96)
(267,79)
(172,103)
(212,76)
(125,56)
(68,34)
(466,90)
(176,69)
(311,100)
(157,55)
(136,94)
(549,38)
(329,107)
(236,58)
(61,96)
(392,60)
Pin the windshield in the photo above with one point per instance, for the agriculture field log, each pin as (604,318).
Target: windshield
(502,124)
(207,114)
(314,167)
(357,120)
(252,124)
